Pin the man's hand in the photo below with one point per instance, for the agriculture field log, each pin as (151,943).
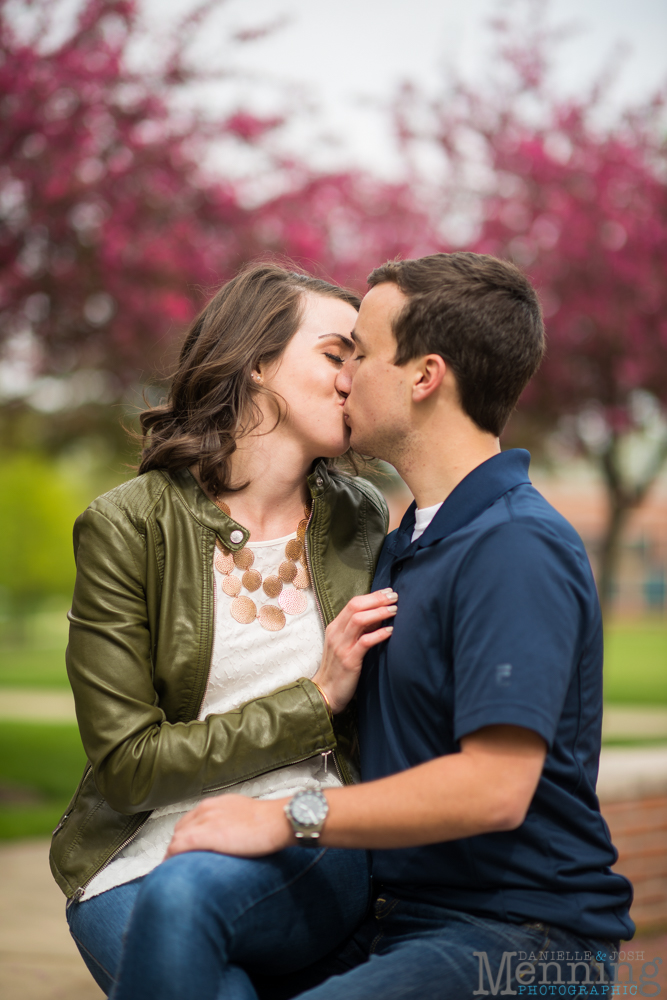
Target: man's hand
(347,640)
(233,824)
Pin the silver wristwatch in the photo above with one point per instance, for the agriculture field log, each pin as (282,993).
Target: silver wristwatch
(307,812)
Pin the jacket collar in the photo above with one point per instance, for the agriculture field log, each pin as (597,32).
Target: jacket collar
(480,488)
(210,516)
(319,480)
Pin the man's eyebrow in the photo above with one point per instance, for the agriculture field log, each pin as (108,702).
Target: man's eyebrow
(357,339)
(339,336)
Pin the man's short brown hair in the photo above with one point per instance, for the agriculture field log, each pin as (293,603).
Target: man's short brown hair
(481,315)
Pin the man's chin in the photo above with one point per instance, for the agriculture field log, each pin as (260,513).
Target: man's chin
(362,446)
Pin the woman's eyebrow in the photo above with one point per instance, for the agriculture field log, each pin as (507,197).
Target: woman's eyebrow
(339,336)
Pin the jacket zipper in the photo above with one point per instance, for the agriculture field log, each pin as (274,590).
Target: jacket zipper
(82,888)
(317,602)
(210,659)
(326,753)
(60,825)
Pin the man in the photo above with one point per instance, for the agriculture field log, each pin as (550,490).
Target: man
(480,716)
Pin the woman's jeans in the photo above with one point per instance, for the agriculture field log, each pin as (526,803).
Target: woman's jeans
(194,923)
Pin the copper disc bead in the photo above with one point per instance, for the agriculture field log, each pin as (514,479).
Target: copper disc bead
(231,586)
(224,564)
(252,580)
(293,549)
(244,610)
(244,558)
(287,572)
(293,602)
(271,618)
(272,586)
(302,578)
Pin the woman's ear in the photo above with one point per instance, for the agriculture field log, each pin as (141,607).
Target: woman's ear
(256,377)
(429,373)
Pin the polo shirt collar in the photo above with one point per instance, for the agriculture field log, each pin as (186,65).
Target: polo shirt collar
(480,488)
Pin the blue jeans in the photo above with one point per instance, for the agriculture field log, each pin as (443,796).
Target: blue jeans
(408,950)
(97,926)
(195,923)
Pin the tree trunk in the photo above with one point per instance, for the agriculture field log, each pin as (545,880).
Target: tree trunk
(623,496)
(610,550)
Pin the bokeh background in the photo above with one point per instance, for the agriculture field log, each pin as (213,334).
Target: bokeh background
(150,148)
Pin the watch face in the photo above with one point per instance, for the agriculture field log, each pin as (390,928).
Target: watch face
(309,809)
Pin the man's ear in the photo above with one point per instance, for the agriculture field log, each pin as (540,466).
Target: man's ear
(429,373)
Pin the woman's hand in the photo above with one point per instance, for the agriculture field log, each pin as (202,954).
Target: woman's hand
(347,639)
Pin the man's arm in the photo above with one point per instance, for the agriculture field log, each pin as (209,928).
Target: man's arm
(487,787)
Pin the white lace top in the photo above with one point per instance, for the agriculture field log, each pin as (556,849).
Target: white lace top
(247,662)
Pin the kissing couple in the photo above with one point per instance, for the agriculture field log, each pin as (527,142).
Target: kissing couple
(323,762)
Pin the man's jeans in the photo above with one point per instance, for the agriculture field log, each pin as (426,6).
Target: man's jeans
(198,917)
(415,951)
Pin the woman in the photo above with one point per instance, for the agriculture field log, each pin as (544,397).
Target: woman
(197,653)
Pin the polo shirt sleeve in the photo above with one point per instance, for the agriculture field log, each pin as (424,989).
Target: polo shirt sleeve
(517,628)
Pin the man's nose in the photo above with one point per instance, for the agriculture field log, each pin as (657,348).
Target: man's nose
(344,379)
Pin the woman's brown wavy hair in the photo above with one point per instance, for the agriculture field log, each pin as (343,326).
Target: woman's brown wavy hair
(212,399)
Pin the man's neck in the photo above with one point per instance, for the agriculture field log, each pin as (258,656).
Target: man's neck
(435,463)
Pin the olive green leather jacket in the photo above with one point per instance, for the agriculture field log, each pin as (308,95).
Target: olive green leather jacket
(141,632)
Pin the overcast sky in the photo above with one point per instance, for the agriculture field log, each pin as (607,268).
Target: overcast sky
(348,56)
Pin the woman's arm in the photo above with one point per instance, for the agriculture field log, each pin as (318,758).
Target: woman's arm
(140,760)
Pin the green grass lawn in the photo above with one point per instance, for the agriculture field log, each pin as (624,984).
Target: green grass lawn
(28,667)
(40,766)
(635,668)
(38,661)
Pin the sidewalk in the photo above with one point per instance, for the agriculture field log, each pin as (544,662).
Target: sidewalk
(38,959)
(35,705)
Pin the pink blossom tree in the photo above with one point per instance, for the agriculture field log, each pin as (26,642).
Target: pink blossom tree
(111,232)
(107,227)
(580,202)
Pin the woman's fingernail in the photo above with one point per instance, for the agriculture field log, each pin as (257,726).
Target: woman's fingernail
(392,609)
(388,592)
(389,628)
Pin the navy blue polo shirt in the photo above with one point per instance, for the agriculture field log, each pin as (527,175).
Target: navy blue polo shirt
(498,623)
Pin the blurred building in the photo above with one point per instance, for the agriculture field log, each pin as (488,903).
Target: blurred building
(641,583)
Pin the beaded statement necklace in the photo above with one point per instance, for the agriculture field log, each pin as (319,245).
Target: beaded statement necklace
(287,584)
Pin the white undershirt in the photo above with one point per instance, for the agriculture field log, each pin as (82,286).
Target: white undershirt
(247,662)
(423,518)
